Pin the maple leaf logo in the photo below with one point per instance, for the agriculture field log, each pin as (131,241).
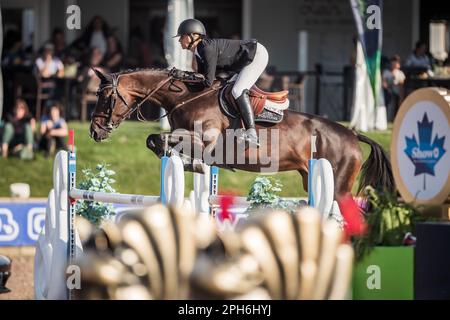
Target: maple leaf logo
(425,154)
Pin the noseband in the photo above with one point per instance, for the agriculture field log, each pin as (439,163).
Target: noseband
(116,94)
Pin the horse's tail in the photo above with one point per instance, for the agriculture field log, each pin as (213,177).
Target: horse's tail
(376,171)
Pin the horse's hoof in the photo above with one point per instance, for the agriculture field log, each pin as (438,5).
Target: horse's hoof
(150,142)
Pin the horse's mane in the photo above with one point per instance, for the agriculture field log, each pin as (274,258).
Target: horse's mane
(149,70)
(188,78)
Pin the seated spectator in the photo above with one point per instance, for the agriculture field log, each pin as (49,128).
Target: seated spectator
(59,42)
(393,80)
(18,132)
(15,63)
(419,58)
(113,57)
(89,81)
(48,65)
(53,130)
(94,36)
(13,55)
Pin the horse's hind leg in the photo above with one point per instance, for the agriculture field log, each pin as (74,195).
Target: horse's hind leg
(344,178)
(346,174)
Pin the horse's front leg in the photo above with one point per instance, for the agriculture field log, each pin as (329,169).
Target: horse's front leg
(186,145)
(189,146)
(212,156)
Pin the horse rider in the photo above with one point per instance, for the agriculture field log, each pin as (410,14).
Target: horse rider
(248,58)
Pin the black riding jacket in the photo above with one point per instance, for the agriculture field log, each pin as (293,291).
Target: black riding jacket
(223,55)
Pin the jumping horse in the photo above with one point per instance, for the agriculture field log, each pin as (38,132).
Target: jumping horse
(121,94)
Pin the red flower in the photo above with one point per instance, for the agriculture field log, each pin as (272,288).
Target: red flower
(354,224)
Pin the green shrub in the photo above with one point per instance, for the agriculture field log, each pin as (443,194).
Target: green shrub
(264,195)
(388,221)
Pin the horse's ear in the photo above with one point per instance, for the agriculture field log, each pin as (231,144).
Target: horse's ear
(103,77)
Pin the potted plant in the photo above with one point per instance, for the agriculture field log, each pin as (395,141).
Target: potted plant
(101,180)
(263,194)
(384,254)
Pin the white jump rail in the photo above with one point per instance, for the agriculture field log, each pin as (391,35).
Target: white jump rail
(119,198)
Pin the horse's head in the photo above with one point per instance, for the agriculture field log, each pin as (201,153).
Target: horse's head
(118,100)
(114,104)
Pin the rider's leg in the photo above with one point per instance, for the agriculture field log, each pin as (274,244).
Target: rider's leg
(8,136)
(245,80)
(246,110)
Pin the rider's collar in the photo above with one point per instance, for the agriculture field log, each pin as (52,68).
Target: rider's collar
(196,52)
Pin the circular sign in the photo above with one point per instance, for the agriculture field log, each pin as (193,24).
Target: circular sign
(420,147)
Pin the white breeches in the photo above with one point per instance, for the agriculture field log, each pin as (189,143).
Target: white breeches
(250,74)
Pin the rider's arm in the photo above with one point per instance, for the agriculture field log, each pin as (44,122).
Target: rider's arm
(209,64)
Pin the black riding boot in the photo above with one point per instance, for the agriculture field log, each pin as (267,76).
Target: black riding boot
(246,110)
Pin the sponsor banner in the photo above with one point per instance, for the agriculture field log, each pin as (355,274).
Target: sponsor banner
(420,147)
(22,222)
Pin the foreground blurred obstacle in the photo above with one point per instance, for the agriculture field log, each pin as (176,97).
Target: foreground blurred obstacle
(163,253)
(223,268)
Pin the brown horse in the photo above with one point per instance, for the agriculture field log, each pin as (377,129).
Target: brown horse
(121,94)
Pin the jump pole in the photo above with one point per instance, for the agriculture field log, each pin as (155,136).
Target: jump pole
(71,184)
(162,183)
(311,163)
(213,188)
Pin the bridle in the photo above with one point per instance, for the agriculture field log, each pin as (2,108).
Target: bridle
(115,93)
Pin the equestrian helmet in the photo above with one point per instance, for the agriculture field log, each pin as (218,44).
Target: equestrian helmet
(189,26)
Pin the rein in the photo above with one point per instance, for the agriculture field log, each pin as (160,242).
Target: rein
(183,103)
(116,93)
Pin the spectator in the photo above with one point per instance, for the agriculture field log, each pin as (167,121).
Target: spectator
(89,81)
(18,132)
(114,55)
(94,36)
(419,58)
(53,130)
(15,63)
(87,78)
(59,42)
(48,65)
(14,55)
(393,80)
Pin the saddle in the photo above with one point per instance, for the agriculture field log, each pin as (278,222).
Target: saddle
(267,106)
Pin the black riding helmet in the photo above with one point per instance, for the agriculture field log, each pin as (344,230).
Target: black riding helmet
(189,26)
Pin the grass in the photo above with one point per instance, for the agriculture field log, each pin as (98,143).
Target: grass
(137,168)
